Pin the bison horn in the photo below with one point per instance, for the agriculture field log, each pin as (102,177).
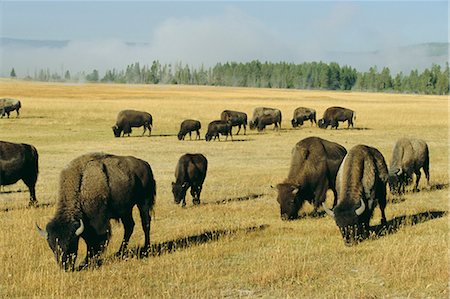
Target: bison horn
(295,191)
(361,209)
(80,230)
(42,232)
(399,172)
(327,210)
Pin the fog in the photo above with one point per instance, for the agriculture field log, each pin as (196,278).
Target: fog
(231,36)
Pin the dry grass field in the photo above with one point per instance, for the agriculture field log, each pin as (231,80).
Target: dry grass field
(225,247)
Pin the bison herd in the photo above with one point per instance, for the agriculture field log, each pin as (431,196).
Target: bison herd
(262,117)
(95,188)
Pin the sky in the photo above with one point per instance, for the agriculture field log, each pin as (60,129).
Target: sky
(99,33)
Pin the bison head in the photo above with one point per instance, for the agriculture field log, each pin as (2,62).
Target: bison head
(179,192)
(116,130)
(62,237)
(253,124)
(349,220)
(180,136)
(322,124)
(398,179)
(208,137)
(289,200)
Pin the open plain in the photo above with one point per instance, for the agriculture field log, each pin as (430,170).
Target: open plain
(234,244)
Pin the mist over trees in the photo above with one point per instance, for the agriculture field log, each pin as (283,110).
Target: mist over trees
(308,75)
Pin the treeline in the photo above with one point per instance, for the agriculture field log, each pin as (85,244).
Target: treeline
(308,75)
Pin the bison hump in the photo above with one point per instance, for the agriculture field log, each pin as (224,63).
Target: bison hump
(94,187)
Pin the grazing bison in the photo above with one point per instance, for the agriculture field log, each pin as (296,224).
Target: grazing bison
(273,115)
(408,157)
(361,184)
(236,118)
(95,188)
(19,161)
(314,165)
(217,127)
(127,119)
(333,115)
(188,126)
(190,172)
(8,105)
(266,120)
(301,114)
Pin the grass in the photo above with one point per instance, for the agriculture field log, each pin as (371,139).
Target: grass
(301,258)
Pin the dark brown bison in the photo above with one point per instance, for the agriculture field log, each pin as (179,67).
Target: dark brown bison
(188,126)
(267,120)
(314,165)
(361,185)
(301,114)
(408,157)
(19,161)
(190,173)
(333,115)
(95,188)
(236,118)
(217,127)
(273,115)
(127,119)
(8,105)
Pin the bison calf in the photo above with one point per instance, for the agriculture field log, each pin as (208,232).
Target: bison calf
(217,127)
(314,165)
(127,119)
(408,157)
(190,173)
(93,189)
(19,161)
(188,126)
(361,185)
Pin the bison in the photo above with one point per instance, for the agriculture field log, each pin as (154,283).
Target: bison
(188,126)
(361,185)
(314,165)
(236,118)
(8,105)
(95,188)
(217,127)
(273,115)
(301,114)
(333,115)
(190,172)
(19,161)
(408,157)
(127,119)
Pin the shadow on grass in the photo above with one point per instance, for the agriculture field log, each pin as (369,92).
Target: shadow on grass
(189,241)
(13,191)
(395,224)
(431,188)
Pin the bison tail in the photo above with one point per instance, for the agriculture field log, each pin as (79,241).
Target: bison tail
(152,194)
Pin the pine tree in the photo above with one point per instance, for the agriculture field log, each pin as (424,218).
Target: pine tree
(13,73)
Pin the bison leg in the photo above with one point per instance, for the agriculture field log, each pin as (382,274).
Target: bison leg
(245,129)
(145,129)
(31,184)
(418,175)
(198,135)
(146,220)
(195,192)
(239,129)
(190,135)
(128,225)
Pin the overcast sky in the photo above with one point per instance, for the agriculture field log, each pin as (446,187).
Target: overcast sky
(211,32)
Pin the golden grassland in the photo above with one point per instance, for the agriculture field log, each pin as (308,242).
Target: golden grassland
(251,253)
